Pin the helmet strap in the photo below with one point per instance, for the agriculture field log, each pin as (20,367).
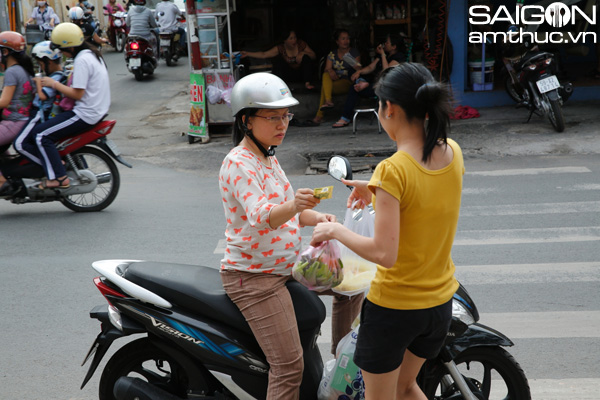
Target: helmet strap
(266,153)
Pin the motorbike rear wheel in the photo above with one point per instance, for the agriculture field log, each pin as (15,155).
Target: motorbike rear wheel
(169,58)
(492,370)
(138,74)
(555,115)
(512,90)
(141,359)
(101,165)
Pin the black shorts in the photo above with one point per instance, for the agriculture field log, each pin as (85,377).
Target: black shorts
(385,334)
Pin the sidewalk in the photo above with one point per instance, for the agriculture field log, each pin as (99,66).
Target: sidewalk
(498,132)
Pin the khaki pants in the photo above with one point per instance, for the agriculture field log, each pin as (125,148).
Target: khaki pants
(266,304)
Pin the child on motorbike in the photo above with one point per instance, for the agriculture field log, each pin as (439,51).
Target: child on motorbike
(77,16)
(416,193)
(264,216)
(49,61)
(91,91)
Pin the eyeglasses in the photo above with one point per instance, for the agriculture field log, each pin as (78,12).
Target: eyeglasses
(276,119)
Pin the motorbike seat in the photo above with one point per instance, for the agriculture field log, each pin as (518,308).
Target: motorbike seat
(200,289)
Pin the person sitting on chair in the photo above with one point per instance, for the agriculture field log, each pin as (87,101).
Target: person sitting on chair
(390,53)
(294,59)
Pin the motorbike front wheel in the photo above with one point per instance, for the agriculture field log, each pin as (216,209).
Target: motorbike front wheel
(555,115)
(492,370)
(120,39)
(109,180)
(141,359)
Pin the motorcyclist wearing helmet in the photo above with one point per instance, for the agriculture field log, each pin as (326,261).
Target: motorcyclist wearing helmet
(167,14)
(77,16)
(90,89)
(50,64)
(42,15)
(264,216)
(141,22)
(17,90)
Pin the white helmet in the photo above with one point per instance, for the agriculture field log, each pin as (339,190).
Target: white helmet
(261,90)
(76,13)
(43,49)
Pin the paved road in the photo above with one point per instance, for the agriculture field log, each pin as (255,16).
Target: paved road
(526,249)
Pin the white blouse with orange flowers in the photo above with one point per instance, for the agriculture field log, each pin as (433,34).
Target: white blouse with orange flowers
(250,190)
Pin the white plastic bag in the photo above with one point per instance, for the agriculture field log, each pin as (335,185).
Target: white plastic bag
(342,379)
(358,272)
(319,268)
(216,91)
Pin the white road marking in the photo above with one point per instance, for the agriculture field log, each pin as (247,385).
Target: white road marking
(530,235)
(528,273)
(531,209)
(530,171)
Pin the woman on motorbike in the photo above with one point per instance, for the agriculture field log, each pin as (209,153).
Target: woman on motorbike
(417,194)
(90,90)
(42,15)
(18,89)
(50,63)
(264,217)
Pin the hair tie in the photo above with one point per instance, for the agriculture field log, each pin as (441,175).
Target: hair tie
(421,91)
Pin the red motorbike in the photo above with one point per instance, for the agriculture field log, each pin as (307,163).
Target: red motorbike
(117,30)
(140,57)
(94,176)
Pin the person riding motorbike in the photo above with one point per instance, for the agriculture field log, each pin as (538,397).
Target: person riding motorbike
(49,61)
(77,16)
(43,15)
(17,90)
(264,216)
(141,22)
(91,91)
(167,14)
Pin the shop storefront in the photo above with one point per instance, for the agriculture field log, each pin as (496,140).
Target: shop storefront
(436,34)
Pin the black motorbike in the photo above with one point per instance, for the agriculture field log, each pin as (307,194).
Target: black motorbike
(531,81)
(170,47)
(197,344)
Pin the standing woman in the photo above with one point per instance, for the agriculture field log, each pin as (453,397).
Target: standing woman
(338,72)
(18,89)
(90,90)
(264,216)
(417,195)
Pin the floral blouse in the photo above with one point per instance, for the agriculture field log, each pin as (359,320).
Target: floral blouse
(250,190)
(341,67)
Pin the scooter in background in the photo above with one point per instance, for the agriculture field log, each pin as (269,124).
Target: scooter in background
(140,57)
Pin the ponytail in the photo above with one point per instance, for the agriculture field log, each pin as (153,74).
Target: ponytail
(412,87)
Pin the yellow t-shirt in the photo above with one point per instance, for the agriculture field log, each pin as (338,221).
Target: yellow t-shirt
(423,275)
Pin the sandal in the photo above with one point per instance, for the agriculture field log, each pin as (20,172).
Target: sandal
(340,124)
(326,105)
(61,184)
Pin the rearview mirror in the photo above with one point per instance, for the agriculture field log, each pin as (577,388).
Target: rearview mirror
(339,168)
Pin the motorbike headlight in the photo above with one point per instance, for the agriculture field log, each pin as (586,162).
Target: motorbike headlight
(532,67)
(462,313)
(118,23)
(547,61)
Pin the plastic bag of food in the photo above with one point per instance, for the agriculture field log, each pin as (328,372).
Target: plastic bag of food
(358,272)
(319,268)
(342,379)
